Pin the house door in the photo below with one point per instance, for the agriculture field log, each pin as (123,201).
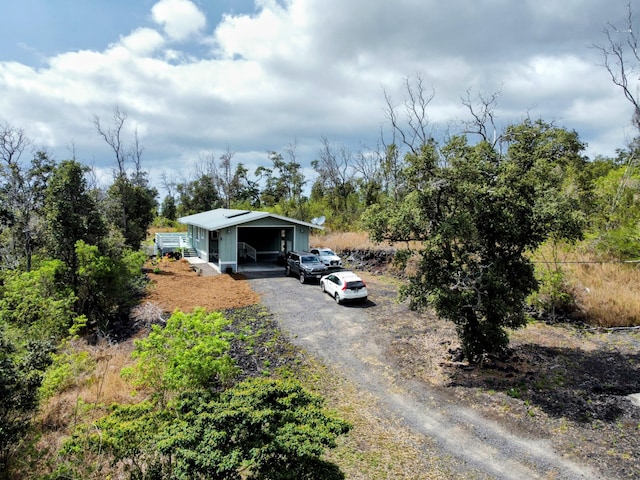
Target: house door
(213,246)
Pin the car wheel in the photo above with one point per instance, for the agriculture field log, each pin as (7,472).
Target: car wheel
(337,298)
(322,287)
(287,270)
(302,279)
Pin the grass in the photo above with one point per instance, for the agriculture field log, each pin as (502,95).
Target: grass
(608,293)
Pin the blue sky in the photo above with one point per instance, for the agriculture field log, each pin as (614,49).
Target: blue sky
(198,77)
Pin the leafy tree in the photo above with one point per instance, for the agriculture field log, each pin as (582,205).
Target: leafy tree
(71,214)
(22,189)
(130,207)
(21,370)
(283,183)
(617,214)
(169,209)
(243,190)
(191,351)
(38,302)
(108,284)
(198,195)
(477,213)
(259,429)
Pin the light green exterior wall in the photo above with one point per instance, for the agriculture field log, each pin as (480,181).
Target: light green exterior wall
(297,238)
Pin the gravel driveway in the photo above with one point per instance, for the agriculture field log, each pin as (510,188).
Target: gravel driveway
(346,338)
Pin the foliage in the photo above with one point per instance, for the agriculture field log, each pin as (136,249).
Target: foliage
(260,429)
(189,352)
(476,213)
(198,195)
(131,208)
(38,302)
(616,216)
(71,213)
(21,369)
(169,209)
(68,366)
(554,294)
(107,285)
(22,188)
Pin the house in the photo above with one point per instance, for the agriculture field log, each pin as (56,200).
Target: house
(229,238)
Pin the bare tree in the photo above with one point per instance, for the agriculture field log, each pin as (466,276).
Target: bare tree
(113,137)
(225,178)
(622,61)
(169,183)
(483,120)
(413,129)
(335,172)
(133,200)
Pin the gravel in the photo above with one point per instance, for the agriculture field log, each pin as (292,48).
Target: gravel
(353,340)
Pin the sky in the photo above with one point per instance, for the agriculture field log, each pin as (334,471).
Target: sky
(198,78)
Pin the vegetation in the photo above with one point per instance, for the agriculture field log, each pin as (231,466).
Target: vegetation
(482,225)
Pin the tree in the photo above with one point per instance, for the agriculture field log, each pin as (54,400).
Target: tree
(198,195)
(190,352)
(476,214)
(21,371)
(138,200)
(259,429)
(132,201)
(109,284)
(283,183)
(22,189)
(244,191)
(71,215)
(336,179)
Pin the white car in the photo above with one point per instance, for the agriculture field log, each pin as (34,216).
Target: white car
(344,286)
(328,257)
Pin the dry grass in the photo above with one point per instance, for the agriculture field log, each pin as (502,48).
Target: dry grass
(353,241)
(88,392)
(608,293)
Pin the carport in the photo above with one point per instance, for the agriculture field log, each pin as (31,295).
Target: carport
(231,239)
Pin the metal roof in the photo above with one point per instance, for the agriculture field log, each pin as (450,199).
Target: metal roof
(224,218)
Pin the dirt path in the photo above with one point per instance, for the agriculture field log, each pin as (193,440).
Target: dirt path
(347,339)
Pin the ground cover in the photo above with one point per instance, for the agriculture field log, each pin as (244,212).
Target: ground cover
(567,383)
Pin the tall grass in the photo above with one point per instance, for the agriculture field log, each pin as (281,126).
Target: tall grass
(607,293)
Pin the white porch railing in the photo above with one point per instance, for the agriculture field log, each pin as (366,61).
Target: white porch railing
(172,241)
(251,252)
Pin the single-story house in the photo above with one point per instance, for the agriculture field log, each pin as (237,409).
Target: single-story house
(227,238)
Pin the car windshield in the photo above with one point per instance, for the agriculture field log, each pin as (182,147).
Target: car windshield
(326,251)
(355,284)
(310,259)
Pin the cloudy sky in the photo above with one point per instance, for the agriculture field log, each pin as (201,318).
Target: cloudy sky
(254,76)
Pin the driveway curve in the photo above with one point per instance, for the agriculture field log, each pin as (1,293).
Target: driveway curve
(346,338)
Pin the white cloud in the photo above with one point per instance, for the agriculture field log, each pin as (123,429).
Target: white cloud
(143,41)
(302,69)
(181,19)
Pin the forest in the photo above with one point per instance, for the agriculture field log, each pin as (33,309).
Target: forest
(470,216)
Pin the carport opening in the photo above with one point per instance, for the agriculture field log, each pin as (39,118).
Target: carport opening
(263,246)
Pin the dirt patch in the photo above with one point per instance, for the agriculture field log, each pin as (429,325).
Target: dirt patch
(174,285)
